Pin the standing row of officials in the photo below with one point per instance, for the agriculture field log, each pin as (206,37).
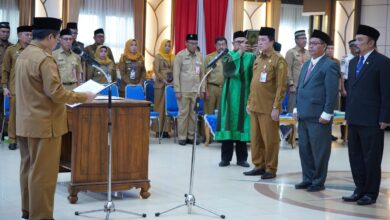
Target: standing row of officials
(248,93)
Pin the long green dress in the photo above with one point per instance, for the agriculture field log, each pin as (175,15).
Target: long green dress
(233,121)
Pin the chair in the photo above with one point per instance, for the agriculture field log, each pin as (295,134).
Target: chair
(286,123)
(5,115)
(149,90)
(114,91)
(137,92)
(171,108)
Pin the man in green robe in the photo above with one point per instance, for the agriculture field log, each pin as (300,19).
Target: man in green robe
(233,123)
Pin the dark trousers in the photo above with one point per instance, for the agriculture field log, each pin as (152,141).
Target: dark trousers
(314,150)
(343,104)
(228,148)
(365,149)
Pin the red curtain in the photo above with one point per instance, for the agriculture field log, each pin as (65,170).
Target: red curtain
(215,20)
(185,21)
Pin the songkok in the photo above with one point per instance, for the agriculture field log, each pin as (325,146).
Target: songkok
(300,33)
(192,37)
(331,43)
(320,35)
(65,32)
(99,31)
(71,25)
(238,34)
(277,46)
(368,31)
(46,23)
(352,43)
(267,31)
(4,25)
(24,29)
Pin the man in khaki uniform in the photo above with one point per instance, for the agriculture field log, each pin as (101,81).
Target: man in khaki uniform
(8,77)
(215,78)
(41,119)
(187,73)
(72,26)
(267,91)
(4,44)
(90,50)
(295,58)
(69,63)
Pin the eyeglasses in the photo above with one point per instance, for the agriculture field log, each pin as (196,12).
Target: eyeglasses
(67,38)
(315,43)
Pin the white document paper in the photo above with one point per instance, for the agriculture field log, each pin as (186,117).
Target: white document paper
(89,86)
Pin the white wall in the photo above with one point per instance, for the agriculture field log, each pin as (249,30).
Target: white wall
(376,13)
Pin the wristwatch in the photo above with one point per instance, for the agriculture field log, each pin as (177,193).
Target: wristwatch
(273,107)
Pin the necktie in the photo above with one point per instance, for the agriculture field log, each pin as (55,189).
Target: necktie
(309,71)
(359,66)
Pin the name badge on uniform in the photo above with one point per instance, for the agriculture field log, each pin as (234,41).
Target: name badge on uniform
(263,75)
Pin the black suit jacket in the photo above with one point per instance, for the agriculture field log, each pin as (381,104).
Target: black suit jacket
(368,98)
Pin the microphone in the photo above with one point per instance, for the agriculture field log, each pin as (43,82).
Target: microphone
(85,56)
(219,56)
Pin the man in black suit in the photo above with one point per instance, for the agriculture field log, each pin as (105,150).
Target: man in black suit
(367,114)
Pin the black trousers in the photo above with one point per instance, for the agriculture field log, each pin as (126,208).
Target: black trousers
(228,148)
(365,149)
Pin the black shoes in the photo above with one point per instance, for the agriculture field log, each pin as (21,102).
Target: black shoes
(166,135)
(182,142)
(268,175)
(315,188)
(302,185)
(190,141)
(224,163)
(12,146)
(366,200)
(254,172)
(334,138)
(243,164)
(352,198)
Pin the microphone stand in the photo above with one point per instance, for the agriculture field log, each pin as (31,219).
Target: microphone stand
(109,205)
(189,200)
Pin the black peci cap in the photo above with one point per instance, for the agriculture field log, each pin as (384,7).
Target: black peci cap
(46,23)
(99,31)
(368,31)
(321,35)
(24,29)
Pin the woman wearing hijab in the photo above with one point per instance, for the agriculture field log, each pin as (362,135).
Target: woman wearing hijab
(131,66)
(163,67)
(105,63)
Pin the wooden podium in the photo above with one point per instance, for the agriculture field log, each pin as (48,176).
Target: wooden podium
(85,148)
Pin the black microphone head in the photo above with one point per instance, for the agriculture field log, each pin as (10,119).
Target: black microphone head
(77,50)
(226,51)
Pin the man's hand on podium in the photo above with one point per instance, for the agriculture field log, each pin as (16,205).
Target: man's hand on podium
(91,96)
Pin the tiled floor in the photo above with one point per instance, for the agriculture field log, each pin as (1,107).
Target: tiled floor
(224,190)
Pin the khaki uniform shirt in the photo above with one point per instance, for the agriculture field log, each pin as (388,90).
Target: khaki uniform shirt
(187,71)
(216,76)
(90,50)
(295,59)
(8,69)
(3,47)
(40,95)
(163,70)
(69,65)
(99,77)
(125,68)
(264,96)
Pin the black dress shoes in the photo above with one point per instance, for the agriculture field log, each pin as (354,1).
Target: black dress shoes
(315,188)
(182,142)
(268,175)
(224,163)
(166,135)
(366,200)
(352,198)
(12,146)
(243,164)
(254,172)
(302,185)
(190,141)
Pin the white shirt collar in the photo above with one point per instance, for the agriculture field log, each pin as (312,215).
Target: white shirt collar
(367,54)
(315,61)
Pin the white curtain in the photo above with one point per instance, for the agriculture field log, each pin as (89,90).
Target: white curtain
(114,16)
(9,12)
(201,29)
(291,20)
(229,25)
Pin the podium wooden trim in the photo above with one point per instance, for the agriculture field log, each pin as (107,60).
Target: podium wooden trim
(84,149)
